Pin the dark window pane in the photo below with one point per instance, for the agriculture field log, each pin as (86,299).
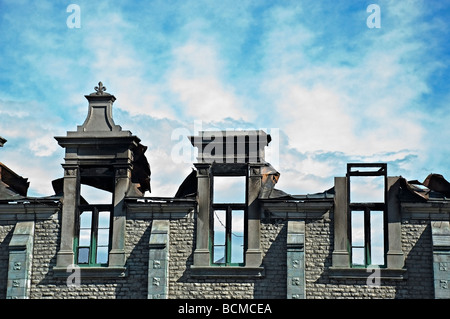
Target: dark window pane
(83,255)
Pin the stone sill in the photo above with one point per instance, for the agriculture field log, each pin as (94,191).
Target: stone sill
(227,272)
(92,272)
(364,273)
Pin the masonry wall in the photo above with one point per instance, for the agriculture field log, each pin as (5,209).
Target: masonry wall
(6,231)
(46,285)
(416,245)
(416,242)
(183,285)
(46,244)
(418,250)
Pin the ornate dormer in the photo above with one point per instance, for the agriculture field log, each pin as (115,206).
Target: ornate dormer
(100,143)
(101,155)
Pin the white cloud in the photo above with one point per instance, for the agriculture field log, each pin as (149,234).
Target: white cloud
(196,80)
(43,145)
(315,119)
(31,150)
(119,65)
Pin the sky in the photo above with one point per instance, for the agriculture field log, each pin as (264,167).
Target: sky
(328,86)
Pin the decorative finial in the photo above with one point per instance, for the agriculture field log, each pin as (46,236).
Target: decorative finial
(100,89)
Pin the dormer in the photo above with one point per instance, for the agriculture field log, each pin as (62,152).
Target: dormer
(99,154)
(229,181)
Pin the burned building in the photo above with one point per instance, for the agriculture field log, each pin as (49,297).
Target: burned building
(227,233)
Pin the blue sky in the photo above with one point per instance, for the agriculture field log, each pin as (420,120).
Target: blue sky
(328,88)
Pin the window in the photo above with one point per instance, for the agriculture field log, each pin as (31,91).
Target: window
(367,237)
(367,214)
(92,242)
(228,220)
(367,224)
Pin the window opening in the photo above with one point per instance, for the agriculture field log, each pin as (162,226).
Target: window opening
(366,189)
(84,238)
(95,195)
(358,238)
(367,209)
(377,237)
(93,240)
(229,189)
(228,226)
(228,243)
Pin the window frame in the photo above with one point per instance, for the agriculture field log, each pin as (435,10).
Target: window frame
(367,210)
(228,208)
(93,244)
(368,169)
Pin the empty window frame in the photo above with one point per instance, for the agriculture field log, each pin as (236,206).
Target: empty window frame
(367,238)
(367,208)
(92,243)
(228,220)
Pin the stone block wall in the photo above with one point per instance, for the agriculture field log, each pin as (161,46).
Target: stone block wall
(273,245)
(183,285)
(418,249)
(46,238)
(416,245)
(46,285)
(6,231)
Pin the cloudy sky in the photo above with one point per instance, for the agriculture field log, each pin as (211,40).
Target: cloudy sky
(313,74)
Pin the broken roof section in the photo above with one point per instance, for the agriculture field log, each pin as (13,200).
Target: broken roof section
(434,187)
(12,185)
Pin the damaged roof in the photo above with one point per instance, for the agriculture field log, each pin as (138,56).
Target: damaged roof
(11,184)
(434,187)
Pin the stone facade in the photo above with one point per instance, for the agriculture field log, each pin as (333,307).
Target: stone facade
(416,243)
(294,247)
